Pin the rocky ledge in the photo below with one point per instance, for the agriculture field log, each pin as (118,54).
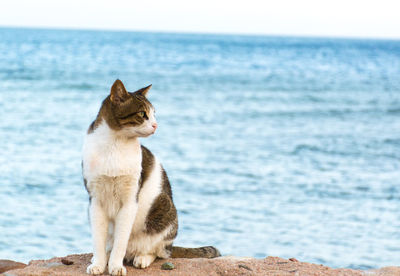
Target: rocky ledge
(228,265)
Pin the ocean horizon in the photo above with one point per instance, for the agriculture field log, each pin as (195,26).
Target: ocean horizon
(179,32)
(274,145)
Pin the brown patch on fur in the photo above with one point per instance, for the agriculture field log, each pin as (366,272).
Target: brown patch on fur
(122,108)
(174,231)
(166,185)
(91,128)
(200,252)
(118,92)
(161,214)
(147,166)
(143,91)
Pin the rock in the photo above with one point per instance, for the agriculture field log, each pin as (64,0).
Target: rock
(6,265)
(52,264)
(226,266)
(245,267)
(390,270)
(66,261)
(167,266)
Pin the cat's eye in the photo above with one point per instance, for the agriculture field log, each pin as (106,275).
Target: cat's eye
(142,114)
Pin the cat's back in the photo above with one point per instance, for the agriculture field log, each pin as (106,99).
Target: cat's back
(153,183)
(150,165)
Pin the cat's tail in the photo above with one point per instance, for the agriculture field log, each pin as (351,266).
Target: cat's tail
(199,252)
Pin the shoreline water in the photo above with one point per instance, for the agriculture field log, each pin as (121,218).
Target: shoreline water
(274,146)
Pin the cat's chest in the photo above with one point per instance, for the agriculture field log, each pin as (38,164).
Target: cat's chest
(111,157)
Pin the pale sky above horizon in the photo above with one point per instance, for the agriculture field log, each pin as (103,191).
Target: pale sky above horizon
(357,18)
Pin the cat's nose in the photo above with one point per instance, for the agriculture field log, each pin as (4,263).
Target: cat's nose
(154,125)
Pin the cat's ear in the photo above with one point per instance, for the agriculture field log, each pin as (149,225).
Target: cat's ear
(143,91)
(118,92)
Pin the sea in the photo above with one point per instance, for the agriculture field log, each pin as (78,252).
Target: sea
(274,146)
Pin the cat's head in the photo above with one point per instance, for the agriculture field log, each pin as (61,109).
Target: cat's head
(129,114)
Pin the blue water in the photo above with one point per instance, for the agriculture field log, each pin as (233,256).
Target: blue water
(274,146)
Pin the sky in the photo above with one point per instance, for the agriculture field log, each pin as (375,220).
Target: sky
(339,18)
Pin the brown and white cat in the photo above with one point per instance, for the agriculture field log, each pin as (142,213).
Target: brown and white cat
(132,215)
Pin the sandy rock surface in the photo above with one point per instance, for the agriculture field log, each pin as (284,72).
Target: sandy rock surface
(9,265)
(228,266)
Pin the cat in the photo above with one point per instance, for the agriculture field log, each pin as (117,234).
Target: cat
(132,214)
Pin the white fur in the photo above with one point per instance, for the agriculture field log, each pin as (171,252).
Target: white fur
(112,167)
(123,227)
(140,243)
(150,190)
(99,225)
(108,152)
(143,261)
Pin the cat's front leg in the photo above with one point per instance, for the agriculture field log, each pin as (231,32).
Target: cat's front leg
(123,228)
(99,223)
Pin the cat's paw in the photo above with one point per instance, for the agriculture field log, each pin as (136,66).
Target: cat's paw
(143,261)
(95,269)
(116,270)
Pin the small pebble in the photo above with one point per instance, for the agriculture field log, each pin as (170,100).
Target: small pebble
(245,267)
(293,260)
(67,262)
(167,266)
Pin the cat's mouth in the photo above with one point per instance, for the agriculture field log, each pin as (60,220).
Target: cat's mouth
(146,133)
(151,133)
